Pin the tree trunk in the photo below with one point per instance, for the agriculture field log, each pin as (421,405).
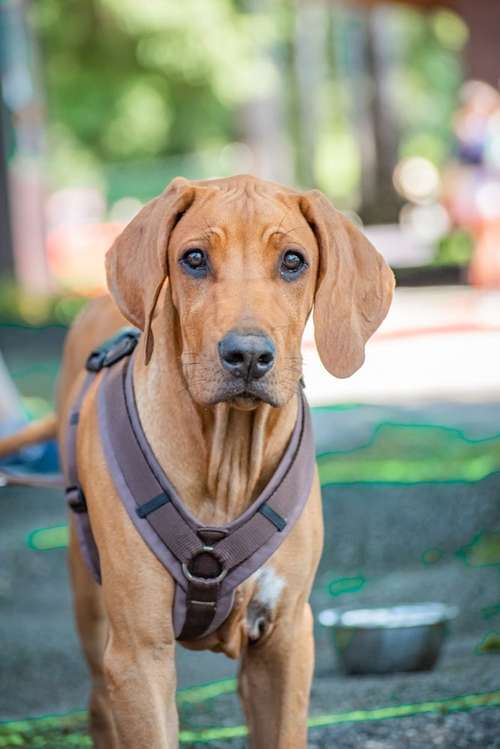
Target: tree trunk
(6,254)
(482,54)
(263,125)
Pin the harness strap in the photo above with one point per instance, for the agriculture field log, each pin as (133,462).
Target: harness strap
(206,563)
(201,608)
(74,495)
(153,505)
(106,355)
(144,486)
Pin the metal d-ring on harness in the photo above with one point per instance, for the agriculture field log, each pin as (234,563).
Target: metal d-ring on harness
(207,563)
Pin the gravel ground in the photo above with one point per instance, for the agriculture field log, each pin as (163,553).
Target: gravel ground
(479,729)
(459,672)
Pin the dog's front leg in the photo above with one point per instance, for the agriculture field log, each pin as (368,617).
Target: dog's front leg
(275,680)
(92,626)
(141,686)
(139,661)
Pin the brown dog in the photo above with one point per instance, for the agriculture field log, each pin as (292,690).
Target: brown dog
(205,260)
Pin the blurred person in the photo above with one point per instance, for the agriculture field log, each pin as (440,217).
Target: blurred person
(472,183)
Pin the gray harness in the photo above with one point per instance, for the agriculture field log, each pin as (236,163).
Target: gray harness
(207,563)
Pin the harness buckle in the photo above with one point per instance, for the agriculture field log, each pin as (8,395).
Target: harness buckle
(209,553)
(75,499)
(95,361)
(113,350)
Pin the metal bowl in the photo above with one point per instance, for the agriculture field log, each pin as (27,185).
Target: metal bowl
(387,640)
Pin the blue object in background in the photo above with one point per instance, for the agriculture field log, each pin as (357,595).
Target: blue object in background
(43,458)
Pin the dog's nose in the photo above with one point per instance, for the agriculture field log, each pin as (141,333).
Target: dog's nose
(247,355)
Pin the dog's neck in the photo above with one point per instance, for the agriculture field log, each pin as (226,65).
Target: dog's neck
(218,458)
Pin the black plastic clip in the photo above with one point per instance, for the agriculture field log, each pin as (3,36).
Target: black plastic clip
(111,351)
(76,499)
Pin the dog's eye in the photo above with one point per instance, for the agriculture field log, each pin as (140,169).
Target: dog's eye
(195,261)
(292,263)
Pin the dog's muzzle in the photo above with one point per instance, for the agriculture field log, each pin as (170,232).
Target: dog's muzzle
(247,356)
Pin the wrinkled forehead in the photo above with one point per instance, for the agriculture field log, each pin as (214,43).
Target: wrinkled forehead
(243,215)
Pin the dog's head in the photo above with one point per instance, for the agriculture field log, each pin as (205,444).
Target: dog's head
(246,261)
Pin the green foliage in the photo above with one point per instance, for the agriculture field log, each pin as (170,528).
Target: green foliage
(17,307)
(130,80)
(342,585)
(46,539)
(70,730)
(411,453)
(483,550)
(455,248)
(489,644)
(47,733)
(140,91)
(426,86)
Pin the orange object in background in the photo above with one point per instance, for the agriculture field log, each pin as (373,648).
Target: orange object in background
(484,268)
(76,255)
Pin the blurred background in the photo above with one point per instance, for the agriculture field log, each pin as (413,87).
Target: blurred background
(393,110)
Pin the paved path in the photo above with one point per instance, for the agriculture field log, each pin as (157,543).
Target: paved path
(436,343)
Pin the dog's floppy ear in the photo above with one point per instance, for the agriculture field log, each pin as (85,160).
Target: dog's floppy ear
(354,287)
(136,263)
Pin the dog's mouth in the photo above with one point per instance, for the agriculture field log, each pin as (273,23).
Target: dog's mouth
(245,396)
(247,402)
